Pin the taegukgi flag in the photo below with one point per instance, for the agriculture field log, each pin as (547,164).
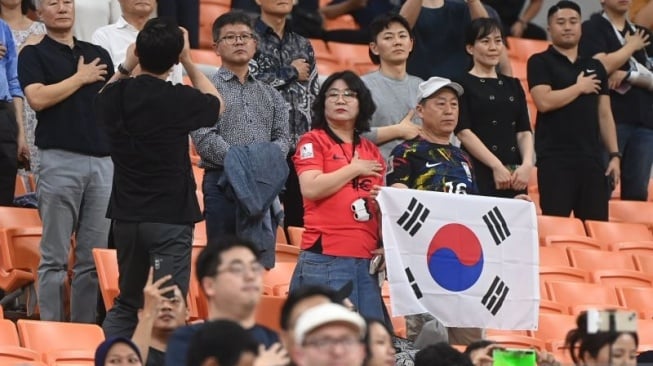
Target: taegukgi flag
(470,261)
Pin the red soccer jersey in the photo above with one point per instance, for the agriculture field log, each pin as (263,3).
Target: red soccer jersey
(332,218)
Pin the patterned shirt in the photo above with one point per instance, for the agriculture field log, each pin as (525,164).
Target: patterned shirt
(271,64)
(254,112)
(427,166)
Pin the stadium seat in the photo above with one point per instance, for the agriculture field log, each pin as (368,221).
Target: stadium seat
(24,184)
(286,253)
(19,257)
(198,304)
(577,294)
(398,322)
(206,57)
(8,333)
(2,315)
(554,327)
(356,56)
(644,263)
(518,68)
(45,336)
(327,62)
(574,241)
(268,311)
(70,357)
(281,235)
(637,212)
(199,234)
(554,256)
(344,21)
(619,278)
(521,48)
(519,341)
(548,306)
(106,264)
(645,333)
(13,355)
(18,217)
(560,273)
(633,247)
(639,299)
(592,260)
(209,11)
(554,225)
(295,235)
(614,232)
(277,280)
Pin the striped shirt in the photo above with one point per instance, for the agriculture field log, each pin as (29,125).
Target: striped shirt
(254,112)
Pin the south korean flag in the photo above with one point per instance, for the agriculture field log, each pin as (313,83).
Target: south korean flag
(470,261)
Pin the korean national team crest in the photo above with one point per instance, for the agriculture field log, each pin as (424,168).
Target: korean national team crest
(470,261)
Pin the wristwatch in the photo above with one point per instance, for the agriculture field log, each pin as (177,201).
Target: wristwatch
(122,70)
(615,154)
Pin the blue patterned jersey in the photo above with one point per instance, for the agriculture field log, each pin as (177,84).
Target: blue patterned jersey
(427,166)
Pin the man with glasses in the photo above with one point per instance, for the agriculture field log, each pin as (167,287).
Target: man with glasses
(329,334)
(255,113)
(231,276)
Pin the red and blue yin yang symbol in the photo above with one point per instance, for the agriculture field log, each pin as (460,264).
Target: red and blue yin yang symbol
(455,257)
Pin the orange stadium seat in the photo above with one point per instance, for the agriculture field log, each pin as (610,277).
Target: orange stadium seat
(8,333)
(2,315)
(206,57)
(548,306)
(645,334)
(554,327)
(327,61)
(633,247)
(12,355)
(277,280)
(639,299)
(209,11)
(522,48)
(567,274)
(614,232)
(24,184)
(577,295)
(198,304)
(592,260)
(295,235)
(356,56)
(268,312)
(70,357)
(281,235)
(554,225)
(46,337)
(631,211)
(286,253)
(554,256)
(573,241)
(19,256)
(106,264)
(619,277)
(17,217)
(344,21)
(518,69)
(644,263)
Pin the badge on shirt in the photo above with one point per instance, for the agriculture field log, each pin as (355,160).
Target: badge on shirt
(306,151)
(467,171)
(390,165)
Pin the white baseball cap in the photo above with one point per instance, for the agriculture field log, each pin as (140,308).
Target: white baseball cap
(435,83)
(324,314)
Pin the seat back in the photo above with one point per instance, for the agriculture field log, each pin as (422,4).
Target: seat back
(554,327)
(631,211)
(613,232)
(45,336)
(633,247)
(208,13)
(573,241)
(554,256)
(276,280)
(578,293)
(295,235)
(13,355)
(268,312)
(286,253)
(644,263)
(554,225)
(620,277)
(521,48)
(106,264)
(8,333)
(638,299)
(18,217)
(592,260)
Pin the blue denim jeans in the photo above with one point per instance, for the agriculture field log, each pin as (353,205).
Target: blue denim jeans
(219,210)
(636,145)
(335,272)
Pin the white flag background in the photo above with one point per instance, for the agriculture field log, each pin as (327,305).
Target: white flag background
(470,261)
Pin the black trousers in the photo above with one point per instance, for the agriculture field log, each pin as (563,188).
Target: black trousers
(138,244)
(575,184)
(8,154)
(187,15)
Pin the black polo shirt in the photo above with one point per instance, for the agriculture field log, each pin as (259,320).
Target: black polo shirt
(636,105)
(69,125)
(148,121)
(573,130)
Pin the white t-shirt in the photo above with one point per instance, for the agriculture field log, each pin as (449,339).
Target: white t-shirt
(93,14)
(117,37)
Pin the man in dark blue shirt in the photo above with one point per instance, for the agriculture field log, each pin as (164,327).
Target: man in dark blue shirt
(60,77)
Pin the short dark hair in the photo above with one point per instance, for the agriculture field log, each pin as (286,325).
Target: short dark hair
(477,345)
(232,17)
(441,354)
(159,45)
(563,4)
(579,341)
(481,28)
(366,106)
(223,340)
(366,339)
(210,257)
(382,22)
(300,294)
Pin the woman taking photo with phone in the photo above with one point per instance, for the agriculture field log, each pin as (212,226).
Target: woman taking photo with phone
(337,168)
(494,127)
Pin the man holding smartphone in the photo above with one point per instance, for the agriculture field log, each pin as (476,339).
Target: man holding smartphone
(153,203)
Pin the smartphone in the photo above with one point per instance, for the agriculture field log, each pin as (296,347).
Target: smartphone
(375,263)
(611,321)
(513,357)
(163,267)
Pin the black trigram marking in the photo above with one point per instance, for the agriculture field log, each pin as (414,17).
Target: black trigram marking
(413,218)
(413,283)
(497,225)
(495,295)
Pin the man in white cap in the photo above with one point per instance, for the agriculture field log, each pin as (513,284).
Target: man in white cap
(329,334)
(430,162)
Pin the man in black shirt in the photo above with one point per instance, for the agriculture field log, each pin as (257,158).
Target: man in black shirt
(153,203)
(620,46)
(60,77)
(574,114)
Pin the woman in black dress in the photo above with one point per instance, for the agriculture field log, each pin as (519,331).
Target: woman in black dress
(494,127)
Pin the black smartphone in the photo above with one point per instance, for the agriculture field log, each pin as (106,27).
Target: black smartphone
(163,267)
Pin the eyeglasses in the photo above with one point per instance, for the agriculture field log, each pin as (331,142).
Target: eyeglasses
(328,343)
(233,38)
(347,95)
(239,269)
